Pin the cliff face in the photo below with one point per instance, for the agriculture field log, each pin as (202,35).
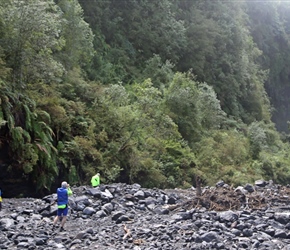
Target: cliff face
(16,184)
(120,216)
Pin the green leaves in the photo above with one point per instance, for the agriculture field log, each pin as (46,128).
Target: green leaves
(210,113)
(128,33)
(78,46)
(141,118)
(224,155)
(30,137)
(31,34)
(194,107)
(41,40)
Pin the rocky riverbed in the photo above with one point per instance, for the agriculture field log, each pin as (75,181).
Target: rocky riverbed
(120,216)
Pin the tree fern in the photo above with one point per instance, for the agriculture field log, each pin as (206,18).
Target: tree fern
(30,137)
(28,117)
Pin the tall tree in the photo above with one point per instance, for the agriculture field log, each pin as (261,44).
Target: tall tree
(31,33)
(129,33)
(78,46)
(269,23)
(27,139)
(222,53)
(193,106)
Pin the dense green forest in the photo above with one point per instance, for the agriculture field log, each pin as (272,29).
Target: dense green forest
(154,92)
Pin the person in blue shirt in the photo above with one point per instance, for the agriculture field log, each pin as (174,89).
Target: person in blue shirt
(62,204)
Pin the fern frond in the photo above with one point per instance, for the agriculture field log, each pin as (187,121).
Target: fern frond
(17,135)
(11,122)
(27,117)
(2,123)
(44,115)
(27,167)
(41,148)
(27,136)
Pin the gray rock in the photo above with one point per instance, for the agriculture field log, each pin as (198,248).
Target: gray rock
(241,190)
(160,210)
(117,214)
(121,216)
(6,223)
(171,200)
(40,241)
(108,208)
(81,199)
(130,204)
(181,216)
(209,237)
(261,183)
(150,201)
(250,188)
(282,218)
(96,192)
(280,234)
(106,195)
(101,214)
(139,194)
(80,207)
(228,216)
(89,211)
(220,184)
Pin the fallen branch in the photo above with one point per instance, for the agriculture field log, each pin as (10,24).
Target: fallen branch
(138,241)
(127,232)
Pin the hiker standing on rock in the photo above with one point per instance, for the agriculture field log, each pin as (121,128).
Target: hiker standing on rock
(95,180)
(62,204)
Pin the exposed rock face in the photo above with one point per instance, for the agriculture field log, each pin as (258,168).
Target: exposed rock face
(120,216)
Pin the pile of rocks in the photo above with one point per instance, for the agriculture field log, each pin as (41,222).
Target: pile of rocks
(120,216)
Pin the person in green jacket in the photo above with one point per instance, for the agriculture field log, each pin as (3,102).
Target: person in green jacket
(95,180)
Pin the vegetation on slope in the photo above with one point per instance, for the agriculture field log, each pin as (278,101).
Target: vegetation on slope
(154,92)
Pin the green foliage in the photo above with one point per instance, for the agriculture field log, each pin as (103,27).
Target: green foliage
(276,167)
(128,33)
(4,70)
(224,155)
(133,134)
(194,107)
(31,33)
(140,118)
(210,113)
(80,159)
(269,26)
(78,47)
(160,73)
(221,53)
(257,137)
(30,138)
(181,100)
(264,137)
